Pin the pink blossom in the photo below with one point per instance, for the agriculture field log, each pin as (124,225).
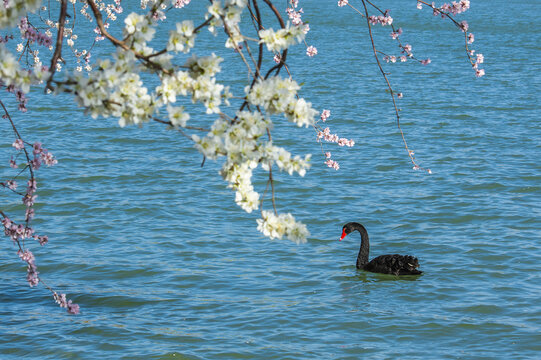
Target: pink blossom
(36,163)
(396,34)
(327,136)
(180,3)
(32,272)
(328,155)
(479,72)
(49,159)
(28,232)
(426,62)
(72,308)
(345,142)
(43,240)
(33,35)
(480,58)
(11,184)
(342,3)
(400,95)
(13,164)
(29,200)
(6,222)
(18,144)
(64,303)
(37,148)
(294,16)
(325,114)
(464,25)
(60,299)
(471,38)
(403,58)
(29,215)
(311,51)
(32,185)
(407,48)
(419,6)
(332,164)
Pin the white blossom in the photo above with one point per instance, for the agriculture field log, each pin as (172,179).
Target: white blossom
(283,38)
(278,226)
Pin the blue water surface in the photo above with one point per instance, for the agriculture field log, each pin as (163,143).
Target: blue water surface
(165,266)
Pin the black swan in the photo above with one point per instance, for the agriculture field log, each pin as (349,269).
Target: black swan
(384,264)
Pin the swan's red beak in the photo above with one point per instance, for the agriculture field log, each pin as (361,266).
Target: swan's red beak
(343,234)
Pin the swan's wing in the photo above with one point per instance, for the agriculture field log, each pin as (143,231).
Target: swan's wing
(394,264)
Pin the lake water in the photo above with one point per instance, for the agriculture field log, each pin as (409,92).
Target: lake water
(165,266)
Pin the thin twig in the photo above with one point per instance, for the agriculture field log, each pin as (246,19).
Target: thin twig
(390,88)
(59,38)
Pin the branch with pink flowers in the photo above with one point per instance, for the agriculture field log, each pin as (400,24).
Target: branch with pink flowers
(20,232)
(446,11)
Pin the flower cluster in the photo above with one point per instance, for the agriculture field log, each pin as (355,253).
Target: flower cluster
(393,59)
(278,226)
(296,19)
(19,96)
(277,95)
(479,59)
(114,89)
(228,16)
(327,136)
(239,177)
(284,161)
(41,155)
(454,8)
(396,34)
(183,38)
(179,3)
(283,38)
(64,303)
(294,15)
(331,163)
(16,232)
(311,51)
(241,143)
(139,30)
(31,269)
(381,19)
(199,81)
(325,114)
(31,34)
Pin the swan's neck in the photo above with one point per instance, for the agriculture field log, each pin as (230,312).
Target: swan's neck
(362,258)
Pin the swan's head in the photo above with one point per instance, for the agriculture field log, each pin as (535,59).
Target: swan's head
(347,229)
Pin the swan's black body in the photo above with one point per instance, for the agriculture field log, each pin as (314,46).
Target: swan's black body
(385,264)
